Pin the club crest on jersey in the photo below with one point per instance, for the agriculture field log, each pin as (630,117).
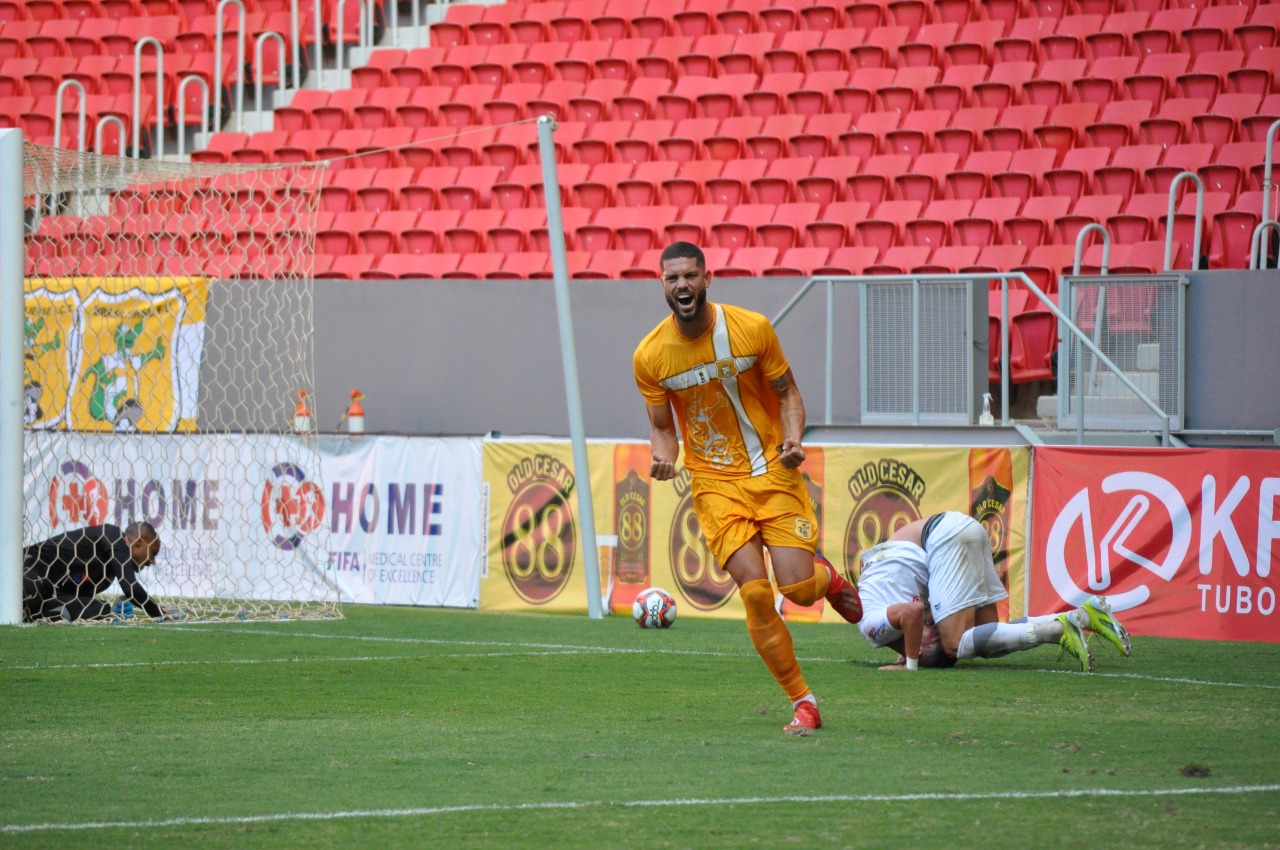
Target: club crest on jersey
(726,368)
(804,528)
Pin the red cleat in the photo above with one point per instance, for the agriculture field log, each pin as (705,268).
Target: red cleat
(807,720)
(841,593)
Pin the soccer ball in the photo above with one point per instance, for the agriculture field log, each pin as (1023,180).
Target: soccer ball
(654,609)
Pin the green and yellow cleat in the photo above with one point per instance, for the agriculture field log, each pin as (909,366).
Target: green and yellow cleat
(1073,643)
(1103,622)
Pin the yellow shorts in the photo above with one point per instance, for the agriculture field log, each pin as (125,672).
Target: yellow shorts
(775,505)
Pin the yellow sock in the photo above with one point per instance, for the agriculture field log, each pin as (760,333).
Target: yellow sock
(771,638)
(811,589)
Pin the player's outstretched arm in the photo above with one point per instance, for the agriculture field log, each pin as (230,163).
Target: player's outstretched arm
(664,444)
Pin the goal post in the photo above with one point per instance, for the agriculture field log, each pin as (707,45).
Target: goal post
(11,270)
(164,343)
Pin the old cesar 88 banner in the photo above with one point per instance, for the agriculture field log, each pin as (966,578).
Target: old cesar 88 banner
(113,354)
(1183,541)
(535,553)
(650,534)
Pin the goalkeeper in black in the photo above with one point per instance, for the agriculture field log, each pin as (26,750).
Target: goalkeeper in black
(62,576)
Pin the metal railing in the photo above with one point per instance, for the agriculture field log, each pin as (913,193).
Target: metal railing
(137,96)
(219,63)
(1267,222)
(206,122)
(1064,324)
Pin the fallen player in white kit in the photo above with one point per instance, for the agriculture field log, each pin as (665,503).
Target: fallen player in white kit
(939,571)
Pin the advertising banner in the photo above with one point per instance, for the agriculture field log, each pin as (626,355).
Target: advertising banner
(535,528)
(113,354)
(1183,541)
(388,520)
(239,516)
(649,533)
(405,518)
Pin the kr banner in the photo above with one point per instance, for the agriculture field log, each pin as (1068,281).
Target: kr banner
(1183,541)
(113,354)
(648,533)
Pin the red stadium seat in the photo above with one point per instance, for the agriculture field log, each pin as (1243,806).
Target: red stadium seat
(1033,225)
(850,260)
(985,224)
(695,223)
(836,223)
(749,262)
(1074,177)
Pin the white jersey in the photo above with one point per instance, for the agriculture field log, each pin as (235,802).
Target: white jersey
(893,572)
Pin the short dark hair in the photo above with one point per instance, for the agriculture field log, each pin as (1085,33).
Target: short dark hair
(682,251)
(138,530)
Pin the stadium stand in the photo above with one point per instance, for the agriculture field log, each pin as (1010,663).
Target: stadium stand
(799,138)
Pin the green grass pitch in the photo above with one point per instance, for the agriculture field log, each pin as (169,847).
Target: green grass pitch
(400,728)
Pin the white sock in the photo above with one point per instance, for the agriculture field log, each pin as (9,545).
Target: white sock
(806,698)
(992,640)
(1044,618)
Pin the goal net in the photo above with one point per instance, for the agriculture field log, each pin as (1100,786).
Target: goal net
(168,342)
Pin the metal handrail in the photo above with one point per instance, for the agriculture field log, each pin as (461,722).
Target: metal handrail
(257,60)
(294,23)
(363,11)
(318,20)
(57,118)
(103,121)
(1257,254)
(1099,310)
(205,120)
(218,64)
(1168,227)
(137,96)
(1047,300)
(57,130)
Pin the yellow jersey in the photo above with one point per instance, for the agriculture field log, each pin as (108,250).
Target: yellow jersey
(718,385)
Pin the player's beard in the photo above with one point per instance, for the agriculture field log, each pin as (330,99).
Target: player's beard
(694,310)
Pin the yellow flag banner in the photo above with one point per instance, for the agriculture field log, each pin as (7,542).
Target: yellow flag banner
(649,533)
(113,354)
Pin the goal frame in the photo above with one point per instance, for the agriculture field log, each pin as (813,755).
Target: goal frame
(12,270)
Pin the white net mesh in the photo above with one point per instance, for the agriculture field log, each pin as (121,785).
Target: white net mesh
(168,344)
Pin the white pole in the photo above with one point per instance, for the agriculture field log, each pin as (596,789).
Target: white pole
(12,309)
(569,355)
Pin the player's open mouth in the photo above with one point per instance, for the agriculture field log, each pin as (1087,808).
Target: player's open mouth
(685,300)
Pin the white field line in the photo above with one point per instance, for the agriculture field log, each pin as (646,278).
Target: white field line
(679,802)
(540,649)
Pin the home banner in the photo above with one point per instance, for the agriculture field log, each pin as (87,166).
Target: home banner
(240,516)
(1183,541)
(113,354)
(648,533)
(405,518)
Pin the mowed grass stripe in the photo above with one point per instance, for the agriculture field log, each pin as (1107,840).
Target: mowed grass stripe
(540,649)
(709,802)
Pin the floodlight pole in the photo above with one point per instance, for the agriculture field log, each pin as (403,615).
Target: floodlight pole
(568,353)
(12,310)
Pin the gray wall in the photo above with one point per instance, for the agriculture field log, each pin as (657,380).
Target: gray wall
(1233,350)
(473,356)
(469,357)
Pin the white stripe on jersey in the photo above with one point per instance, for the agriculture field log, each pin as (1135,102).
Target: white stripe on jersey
(750,437)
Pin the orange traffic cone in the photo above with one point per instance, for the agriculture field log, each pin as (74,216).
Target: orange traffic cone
(355,414)
(302,414)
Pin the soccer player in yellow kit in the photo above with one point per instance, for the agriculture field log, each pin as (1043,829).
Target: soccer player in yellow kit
(719,371)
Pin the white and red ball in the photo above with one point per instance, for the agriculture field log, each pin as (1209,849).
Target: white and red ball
(654,609)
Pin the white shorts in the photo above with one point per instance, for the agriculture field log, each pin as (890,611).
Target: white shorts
(961,572)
